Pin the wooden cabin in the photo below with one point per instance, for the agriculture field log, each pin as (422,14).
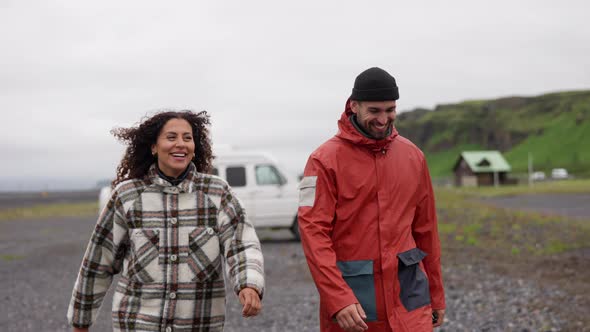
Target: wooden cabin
(481,168)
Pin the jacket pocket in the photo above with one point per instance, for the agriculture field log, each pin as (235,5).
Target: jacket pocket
(359,277)
(204,255)
(414,291)
(143,266)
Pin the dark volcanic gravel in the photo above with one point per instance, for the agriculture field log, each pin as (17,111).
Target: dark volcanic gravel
(39,260)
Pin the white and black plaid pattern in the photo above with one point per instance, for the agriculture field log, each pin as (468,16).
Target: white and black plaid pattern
(168,242)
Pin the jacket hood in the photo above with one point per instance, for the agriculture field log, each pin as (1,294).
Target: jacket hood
(348,132)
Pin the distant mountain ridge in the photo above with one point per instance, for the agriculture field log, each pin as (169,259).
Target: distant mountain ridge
(554,128)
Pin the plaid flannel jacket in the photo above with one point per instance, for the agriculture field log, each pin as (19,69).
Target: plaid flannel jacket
(168,242)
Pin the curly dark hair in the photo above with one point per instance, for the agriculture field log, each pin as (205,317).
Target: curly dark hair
(139,139)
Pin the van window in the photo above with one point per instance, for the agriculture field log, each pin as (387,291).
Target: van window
(236,176)
(268,175)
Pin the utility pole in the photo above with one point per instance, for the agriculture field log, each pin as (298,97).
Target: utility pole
(530,169)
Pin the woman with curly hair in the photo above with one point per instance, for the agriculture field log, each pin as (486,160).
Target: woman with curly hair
(167,228)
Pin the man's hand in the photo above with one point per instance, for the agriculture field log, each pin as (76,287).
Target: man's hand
(441,317)
(351,318)
(251,301)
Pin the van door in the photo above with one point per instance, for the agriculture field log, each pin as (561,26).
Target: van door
(273,208)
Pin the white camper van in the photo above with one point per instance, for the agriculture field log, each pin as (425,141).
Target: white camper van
(268,194)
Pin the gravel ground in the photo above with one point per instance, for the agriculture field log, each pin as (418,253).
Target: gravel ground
(39,260)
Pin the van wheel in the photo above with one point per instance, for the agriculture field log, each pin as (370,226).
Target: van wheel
(295,229)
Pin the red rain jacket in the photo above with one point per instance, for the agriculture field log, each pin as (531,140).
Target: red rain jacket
(368,228)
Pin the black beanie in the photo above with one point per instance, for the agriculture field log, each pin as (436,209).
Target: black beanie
(374,84)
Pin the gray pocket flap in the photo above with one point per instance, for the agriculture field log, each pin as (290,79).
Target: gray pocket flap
(355,268)
(412,256)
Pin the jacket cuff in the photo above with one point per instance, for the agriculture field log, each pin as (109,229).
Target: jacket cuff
(257,288)
(437,303)
(334,308)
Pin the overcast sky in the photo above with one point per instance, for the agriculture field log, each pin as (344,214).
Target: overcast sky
(274,75)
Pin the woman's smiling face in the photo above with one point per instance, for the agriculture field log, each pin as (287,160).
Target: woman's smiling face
(175,147)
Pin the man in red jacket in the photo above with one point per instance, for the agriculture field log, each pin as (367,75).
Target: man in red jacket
(368,221)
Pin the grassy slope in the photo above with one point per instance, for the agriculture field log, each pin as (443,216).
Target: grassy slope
(555,127)
(563,144)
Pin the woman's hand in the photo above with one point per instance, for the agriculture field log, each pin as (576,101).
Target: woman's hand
(250,299)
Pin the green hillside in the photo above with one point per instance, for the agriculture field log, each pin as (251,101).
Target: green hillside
(554,128)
